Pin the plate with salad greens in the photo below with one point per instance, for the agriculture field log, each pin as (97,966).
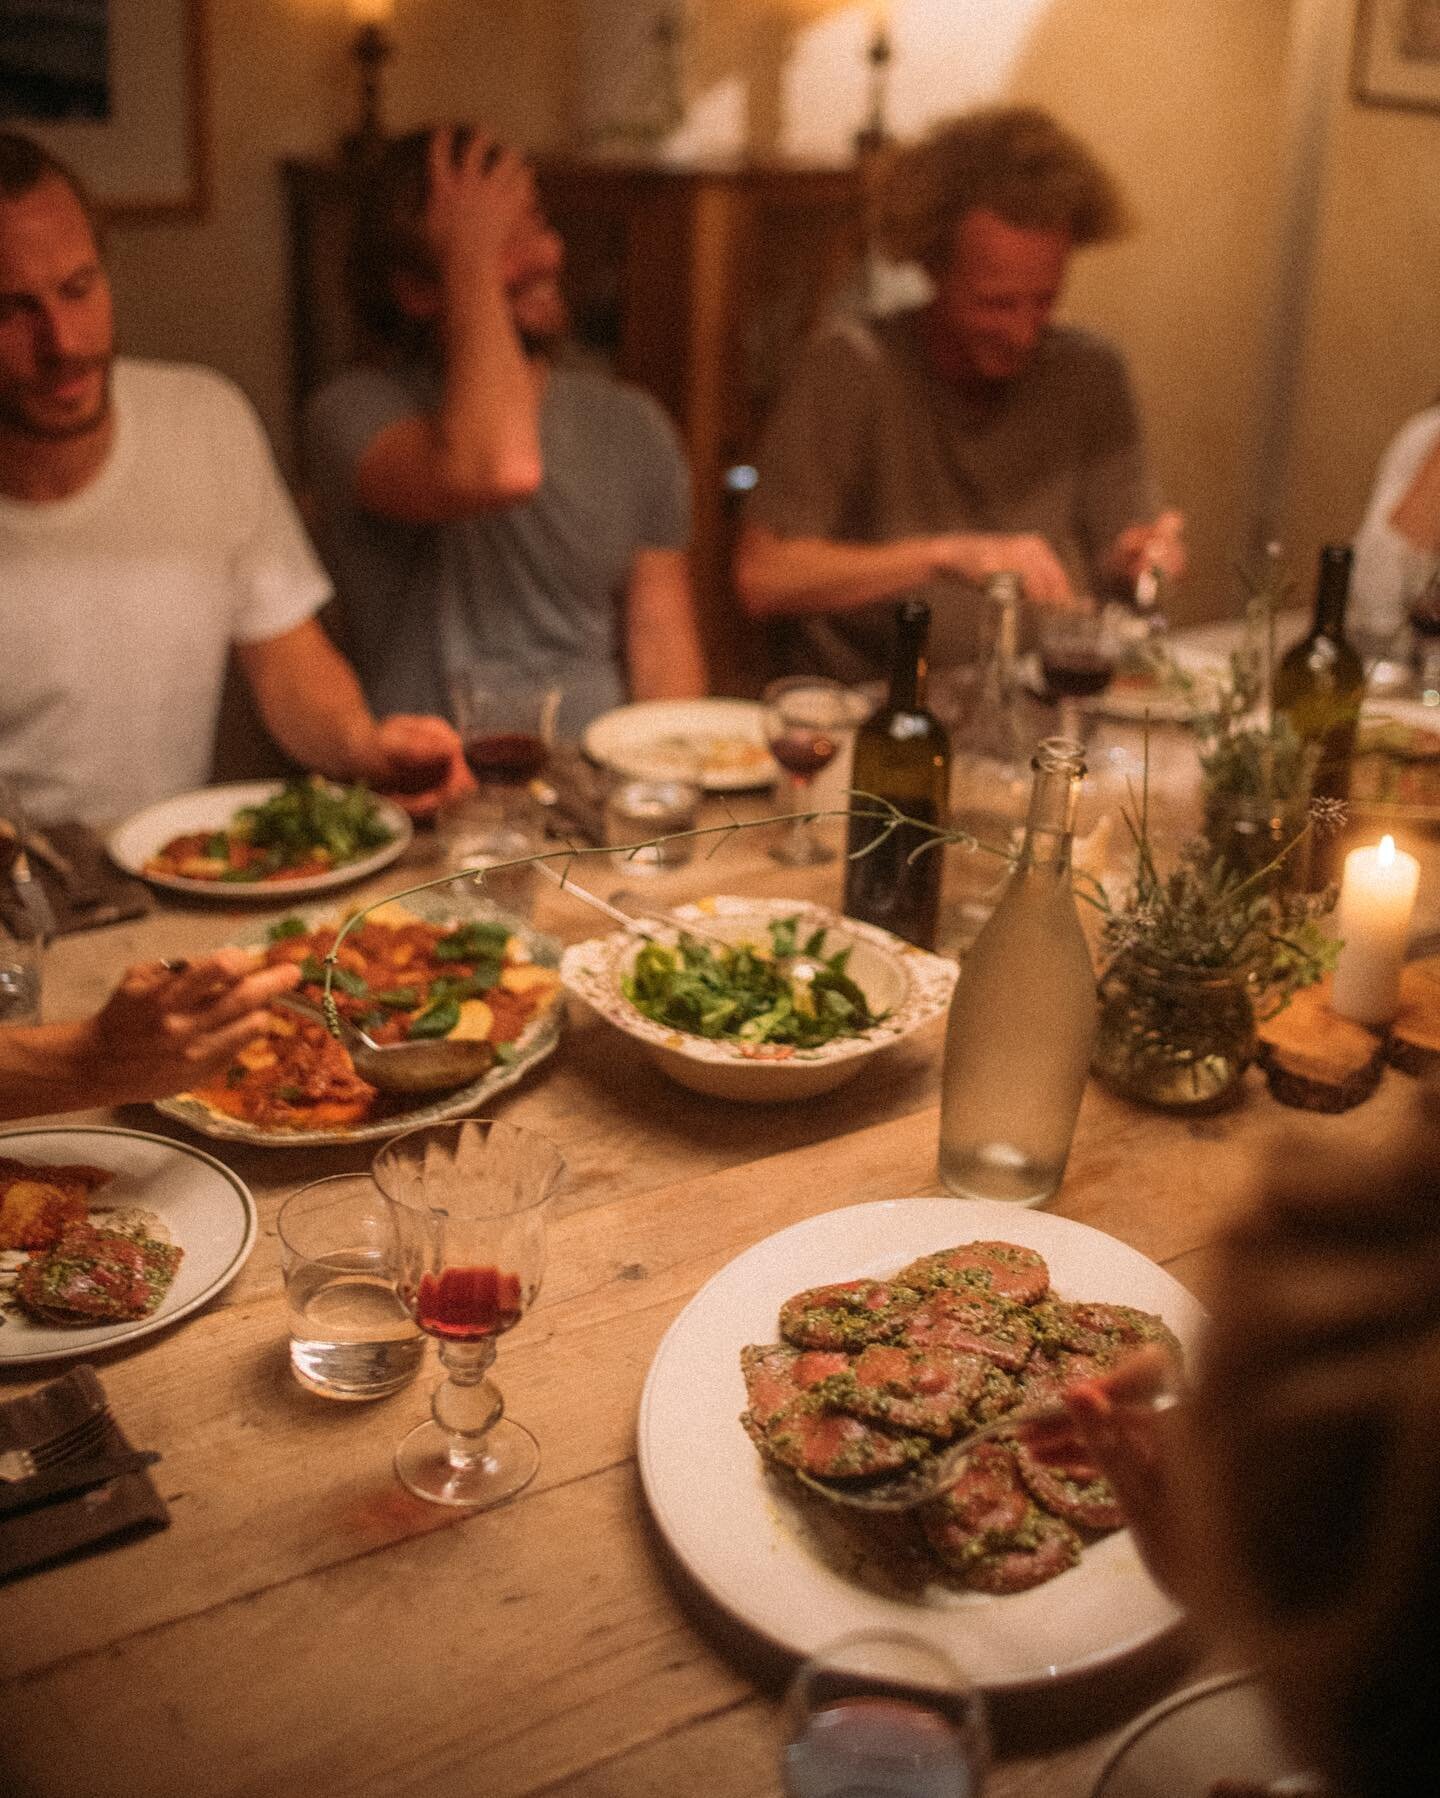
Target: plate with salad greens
(777,999)
(255,841)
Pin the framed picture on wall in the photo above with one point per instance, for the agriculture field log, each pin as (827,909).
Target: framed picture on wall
(114,88)
(1397,53)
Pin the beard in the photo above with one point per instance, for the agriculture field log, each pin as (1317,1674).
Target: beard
(23,411)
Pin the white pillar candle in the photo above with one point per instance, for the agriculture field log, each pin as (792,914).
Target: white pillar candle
(1377,896)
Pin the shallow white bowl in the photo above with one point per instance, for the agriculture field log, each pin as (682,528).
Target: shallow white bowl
(910,986)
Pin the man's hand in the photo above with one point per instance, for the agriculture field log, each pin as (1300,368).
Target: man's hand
(476,206)
(165,1028)
(976,555)
(419,763)
(1141,548)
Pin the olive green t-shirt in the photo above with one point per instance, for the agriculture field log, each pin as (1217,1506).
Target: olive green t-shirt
(868,444)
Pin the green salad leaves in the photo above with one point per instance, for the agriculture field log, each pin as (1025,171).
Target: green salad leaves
(309,814)
(743,994)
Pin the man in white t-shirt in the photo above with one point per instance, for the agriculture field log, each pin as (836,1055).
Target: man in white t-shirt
(1397,549)
(144,531)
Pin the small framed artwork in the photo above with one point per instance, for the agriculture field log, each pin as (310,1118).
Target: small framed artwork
(115,89)
(1397,53)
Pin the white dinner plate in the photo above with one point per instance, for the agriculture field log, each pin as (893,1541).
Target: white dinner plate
(729,733)
(206,1208)
(145,833)
(749,1545)
(1218,1729)
(533,1045)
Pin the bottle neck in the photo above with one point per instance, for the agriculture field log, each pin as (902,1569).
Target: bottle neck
(1050,826)
(1332,592)
(908,670)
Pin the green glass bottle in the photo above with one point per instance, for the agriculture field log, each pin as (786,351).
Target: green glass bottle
(901,755)
(1320,682)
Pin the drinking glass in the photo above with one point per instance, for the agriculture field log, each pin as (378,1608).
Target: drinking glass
(806,719)
(350,1335)
(468,1203)
(1423,613)
(1078,654)
(886,1715)
(507,727)
(657,792)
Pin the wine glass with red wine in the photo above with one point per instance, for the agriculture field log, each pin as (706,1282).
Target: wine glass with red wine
(468,1202)
(884,1714)
(807,717)
(1423,612)
(507,728)
(1079,651)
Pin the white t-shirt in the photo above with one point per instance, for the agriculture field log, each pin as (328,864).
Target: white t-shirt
(1389,569)
(118,604)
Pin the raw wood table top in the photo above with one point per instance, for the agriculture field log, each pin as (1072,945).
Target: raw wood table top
(305,1628)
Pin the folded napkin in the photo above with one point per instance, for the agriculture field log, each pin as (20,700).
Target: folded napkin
(84,887)
(125,1506)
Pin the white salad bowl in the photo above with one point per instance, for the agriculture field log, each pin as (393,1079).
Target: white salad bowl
(907,985)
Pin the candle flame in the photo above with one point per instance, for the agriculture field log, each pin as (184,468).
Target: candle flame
(1386,854)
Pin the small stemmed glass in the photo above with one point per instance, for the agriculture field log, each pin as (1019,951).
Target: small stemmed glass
(1078,654)
(806,718)
(886,1715)
(468,1203)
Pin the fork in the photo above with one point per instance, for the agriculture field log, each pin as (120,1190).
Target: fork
(69,1444)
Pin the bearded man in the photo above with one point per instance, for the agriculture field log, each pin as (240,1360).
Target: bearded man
(144,532)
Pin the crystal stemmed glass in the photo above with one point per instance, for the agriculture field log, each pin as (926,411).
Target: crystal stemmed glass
(468,1202)
(806,718)
(1078,653)
(887,1715)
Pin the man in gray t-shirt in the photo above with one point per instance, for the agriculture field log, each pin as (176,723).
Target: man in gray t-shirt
(478,498)
(929,450)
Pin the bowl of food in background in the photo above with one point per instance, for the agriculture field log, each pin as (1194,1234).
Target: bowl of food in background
(777,999)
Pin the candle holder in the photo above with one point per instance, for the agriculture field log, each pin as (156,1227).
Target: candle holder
(874,134)
(372,48)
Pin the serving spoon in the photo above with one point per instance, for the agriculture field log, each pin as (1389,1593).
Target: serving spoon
(434,1066)
(937,1473)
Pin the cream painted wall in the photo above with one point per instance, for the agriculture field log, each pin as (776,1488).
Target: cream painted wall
(281,84)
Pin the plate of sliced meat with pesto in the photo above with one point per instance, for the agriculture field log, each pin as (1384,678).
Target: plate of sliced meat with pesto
(856,1343)
(107,1235)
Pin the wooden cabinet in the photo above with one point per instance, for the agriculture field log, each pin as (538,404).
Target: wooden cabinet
(695,282)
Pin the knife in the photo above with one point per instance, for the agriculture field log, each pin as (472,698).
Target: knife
(71,1477)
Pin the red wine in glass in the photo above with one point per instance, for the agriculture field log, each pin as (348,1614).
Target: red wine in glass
(418,777)
(505,758)
(468,1304)
(801,752)
(1079,674)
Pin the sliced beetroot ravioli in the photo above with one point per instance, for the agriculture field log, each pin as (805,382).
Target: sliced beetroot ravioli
(1004,1269)
(933,1390)
(987,1530)
(974,1324)
(831,1445)
(847,1315)
(1104,1332)
(775,1373)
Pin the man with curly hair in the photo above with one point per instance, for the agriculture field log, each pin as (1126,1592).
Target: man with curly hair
(925,451)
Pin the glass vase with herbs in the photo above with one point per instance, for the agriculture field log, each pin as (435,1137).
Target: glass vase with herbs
(1193,958)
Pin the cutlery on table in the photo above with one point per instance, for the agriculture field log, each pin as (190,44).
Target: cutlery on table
(437,1065)
(75,1440)
(68,1477)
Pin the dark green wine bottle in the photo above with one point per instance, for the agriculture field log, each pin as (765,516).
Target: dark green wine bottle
(902,755)
(1320,683)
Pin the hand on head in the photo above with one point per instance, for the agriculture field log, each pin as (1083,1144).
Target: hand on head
(165,1028)
(477,202)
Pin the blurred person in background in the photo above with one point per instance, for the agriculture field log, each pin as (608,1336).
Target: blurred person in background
(144,531)
(1397,548)
(924,451)
(480,497)
(1293,1502)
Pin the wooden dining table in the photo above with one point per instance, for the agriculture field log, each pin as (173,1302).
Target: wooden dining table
(305,1628)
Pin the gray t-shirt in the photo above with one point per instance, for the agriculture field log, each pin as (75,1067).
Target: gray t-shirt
(868,444)
(539,585)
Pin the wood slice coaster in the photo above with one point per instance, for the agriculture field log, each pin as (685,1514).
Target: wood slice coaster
(1317,1060)
(1414,1045)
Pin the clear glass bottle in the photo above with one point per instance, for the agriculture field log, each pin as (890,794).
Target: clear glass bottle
(902,755)
(1022,1021)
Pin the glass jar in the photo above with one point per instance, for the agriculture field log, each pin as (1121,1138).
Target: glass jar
(1174,1036)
